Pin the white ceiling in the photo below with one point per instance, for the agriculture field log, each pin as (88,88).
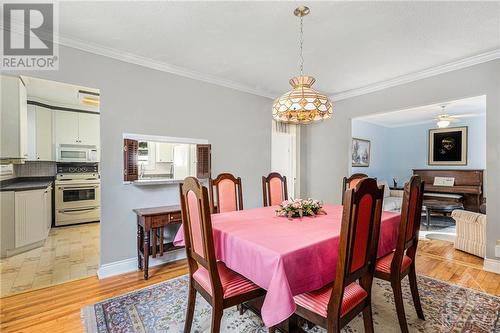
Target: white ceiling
(463,108)
(57,93)
(254,45)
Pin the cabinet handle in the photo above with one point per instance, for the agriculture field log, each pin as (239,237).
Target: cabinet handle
(76,210)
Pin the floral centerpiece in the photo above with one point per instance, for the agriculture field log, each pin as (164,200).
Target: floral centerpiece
(300,207)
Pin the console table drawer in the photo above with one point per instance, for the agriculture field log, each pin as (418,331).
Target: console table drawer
(159,220)
(175,217)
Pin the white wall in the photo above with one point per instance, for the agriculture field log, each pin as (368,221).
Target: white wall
(326,145)
(136,99)
(396,151)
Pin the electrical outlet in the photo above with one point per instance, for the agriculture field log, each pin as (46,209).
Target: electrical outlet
(497,249)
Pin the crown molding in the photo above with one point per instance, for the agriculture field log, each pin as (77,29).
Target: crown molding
(195,75)
(160,66)
(403,79)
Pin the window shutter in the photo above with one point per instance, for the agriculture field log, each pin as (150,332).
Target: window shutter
(130,165)
(204,161)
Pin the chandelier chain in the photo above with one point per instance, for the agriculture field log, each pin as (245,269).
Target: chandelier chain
(301,43)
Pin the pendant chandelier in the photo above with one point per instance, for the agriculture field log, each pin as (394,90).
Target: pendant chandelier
(302,104)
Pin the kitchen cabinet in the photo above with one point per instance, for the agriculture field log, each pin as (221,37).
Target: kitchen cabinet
(14,122)
(77,128)
(88,128)
(164,152)
(26,219)
(66,127)
(47,199)
(44,134)
(30,216)
(40,134)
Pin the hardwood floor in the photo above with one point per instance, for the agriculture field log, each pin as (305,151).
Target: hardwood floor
(57,309)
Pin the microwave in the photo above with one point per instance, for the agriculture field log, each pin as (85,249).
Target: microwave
(76,153)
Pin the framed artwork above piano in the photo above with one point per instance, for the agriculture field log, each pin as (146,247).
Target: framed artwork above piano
(468,183)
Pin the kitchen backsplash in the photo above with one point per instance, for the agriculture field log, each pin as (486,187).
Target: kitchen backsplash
(35,169)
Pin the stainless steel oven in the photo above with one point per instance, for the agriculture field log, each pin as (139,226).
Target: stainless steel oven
(78,194)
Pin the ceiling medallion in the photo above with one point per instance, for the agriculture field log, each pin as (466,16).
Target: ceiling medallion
(302,104)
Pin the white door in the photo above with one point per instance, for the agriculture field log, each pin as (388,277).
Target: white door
(43,130)
(66,127)
(282,159)
(88,128)
(181,161)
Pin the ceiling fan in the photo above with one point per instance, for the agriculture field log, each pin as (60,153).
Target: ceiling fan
(444,119)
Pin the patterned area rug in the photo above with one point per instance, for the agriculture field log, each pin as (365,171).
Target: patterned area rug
(161,308)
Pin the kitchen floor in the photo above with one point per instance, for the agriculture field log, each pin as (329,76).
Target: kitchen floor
(69,253)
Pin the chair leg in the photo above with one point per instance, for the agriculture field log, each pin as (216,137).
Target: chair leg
(190,309)
(216,319)
(400,309)
(412,276)
(367,319)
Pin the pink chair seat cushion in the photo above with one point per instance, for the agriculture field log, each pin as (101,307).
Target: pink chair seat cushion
(233,284)
(384,263)
(317,301)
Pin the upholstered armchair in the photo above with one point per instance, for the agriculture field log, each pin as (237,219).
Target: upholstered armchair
(471,232)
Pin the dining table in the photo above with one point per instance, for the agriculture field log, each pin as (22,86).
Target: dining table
(286,257)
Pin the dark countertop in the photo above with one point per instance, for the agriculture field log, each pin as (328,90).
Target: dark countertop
(26,183)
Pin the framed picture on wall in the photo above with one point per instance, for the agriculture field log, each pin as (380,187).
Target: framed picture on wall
(360,152)
(448,146)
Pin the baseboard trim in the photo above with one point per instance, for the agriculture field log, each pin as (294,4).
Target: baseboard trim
(491,265)
(130,264)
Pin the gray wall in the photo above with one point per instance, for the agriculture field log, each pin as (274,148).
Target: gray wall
(329,142)
(139,100)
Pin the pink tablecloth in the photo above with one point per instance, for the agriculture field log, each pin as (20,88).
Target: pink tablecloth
(285,257)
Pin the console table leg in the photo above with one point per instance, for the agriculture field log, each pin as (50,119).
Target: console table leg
(146,255)
(139,246)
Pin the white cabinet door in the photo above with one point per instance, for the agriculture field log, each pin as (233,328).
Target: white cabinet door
(31,132)
(14,119)
(43,130)
(48,209)
(164,152)
(88,128)
(30,217)
(66,123)
(23,120)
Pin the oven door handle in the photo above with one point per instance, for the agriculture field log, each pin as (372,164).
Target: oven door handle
(76,210)
(78,187)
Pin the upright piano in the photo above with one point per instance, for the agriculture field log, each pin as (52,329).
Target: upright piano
(468,183)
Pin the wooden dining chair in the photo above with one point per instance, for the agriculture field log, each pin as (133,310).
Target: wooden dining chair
(336,304)
(221,287)
(225,193)
(274,189)
(351,182)
(401,262)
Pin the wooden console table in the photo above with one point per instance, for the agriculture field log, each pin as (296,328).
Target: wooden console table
(150,227)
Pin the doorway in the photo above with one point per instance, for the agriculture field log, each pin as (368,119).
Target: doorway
(285,155)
